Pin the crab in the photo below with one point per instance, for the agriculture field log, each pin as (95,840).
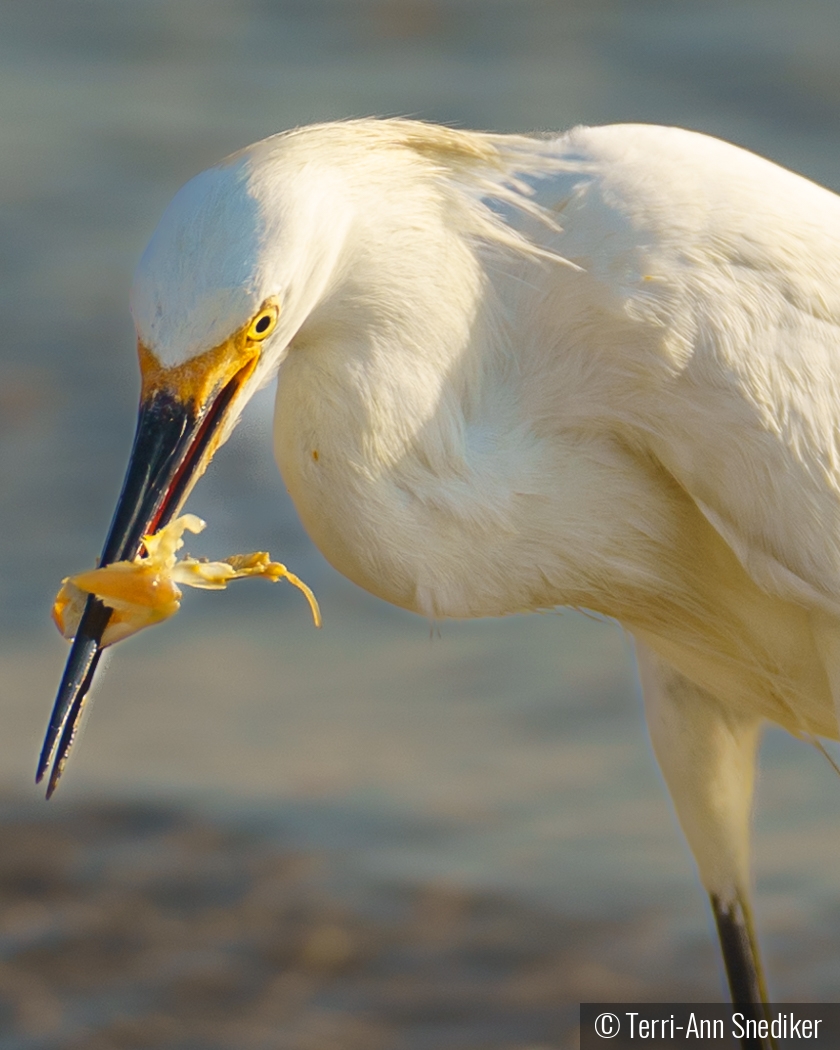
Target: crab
(146,591)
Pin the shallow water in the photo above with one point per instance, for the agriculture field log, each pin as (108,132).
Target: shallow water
(501,757)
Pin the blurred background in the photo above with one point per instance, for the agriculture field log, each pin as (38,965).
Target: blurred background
(368,836)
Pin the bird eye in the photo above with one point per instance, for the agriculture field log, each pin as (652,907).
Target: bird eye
(264,323)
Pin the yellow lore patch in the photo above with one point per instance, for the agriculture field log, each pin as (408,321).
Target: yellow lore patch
(197,380)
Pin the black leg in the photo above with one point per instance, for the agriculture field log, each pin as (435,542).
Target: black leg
(743,964)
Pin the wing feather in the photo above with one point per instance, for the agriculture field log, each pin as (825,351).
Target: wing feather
(722,271)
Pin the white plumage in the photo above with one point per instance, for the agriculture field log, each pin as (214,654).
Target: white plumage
(599,370)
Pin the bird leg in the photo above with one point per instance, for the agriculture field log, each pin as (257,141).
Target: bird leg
(740,950)
(707,756)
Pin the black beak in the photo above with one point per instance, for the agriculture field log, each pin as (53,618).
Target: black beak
(172,445)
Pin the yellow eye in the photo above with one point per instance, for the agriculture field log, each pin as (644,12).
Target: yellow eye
(264,323)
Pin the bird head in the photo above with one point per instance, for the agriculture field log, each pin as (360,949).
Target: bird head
(225,282)
(223,285)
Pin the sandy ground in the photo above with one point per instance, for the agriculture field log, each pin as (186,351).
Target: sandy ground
(131,927)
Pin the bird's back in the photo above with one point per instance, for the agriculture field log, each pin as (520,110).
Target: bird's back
(703,328)
(721,271)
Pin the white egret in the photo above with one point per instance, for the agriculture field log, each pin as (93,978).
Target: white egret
(598,370)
